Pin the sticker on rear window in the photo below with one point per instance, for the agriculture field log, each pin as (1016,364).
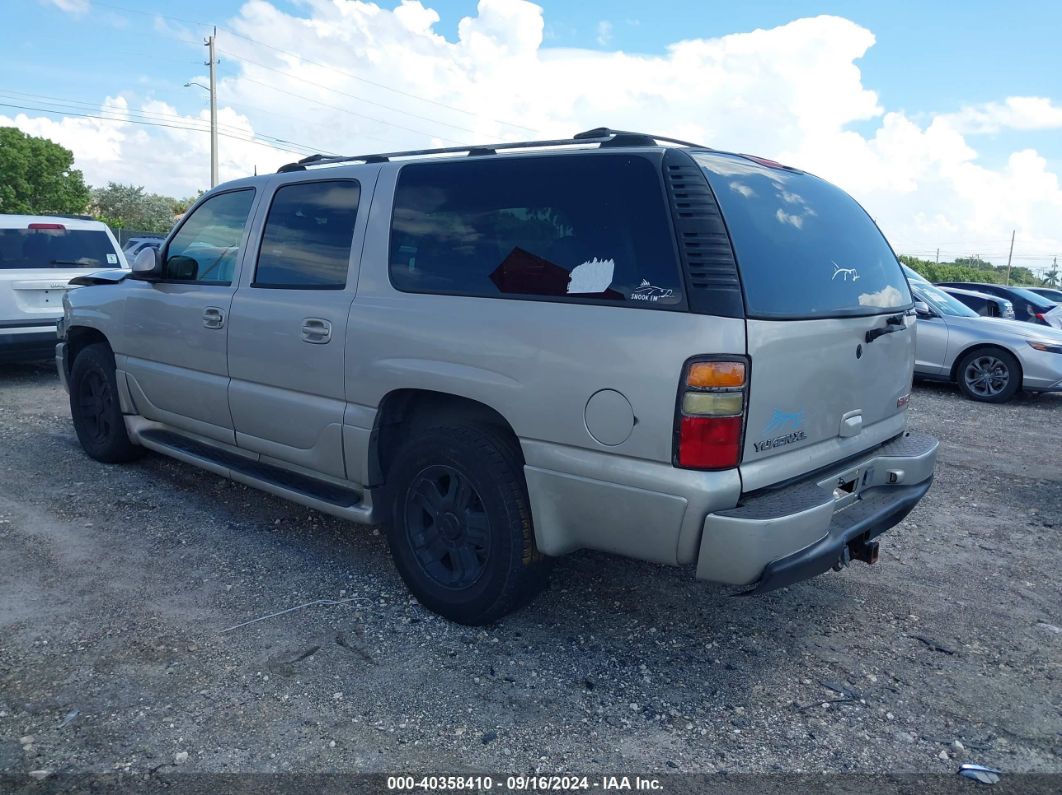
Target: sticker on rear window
(593,276)
(844,273)
(647,292)
(112,259)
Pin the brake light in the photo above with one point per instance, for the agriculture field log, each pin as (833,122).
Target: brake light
(46,226)
(711,414)
(1040,316)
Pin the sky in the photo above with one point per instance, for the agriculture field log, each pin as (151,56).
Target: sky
(943,119)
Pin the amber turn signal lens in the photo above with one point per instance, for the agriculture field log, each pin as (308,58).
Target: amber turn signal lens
(716,374)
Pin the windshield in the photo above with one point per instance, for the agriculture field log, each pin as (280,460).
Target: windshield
(805,248)
(56,248)
(939,300)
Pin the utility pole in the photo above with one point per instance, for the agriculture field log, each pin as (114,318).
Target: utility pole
(938,256)
(212,63)
(1010,256)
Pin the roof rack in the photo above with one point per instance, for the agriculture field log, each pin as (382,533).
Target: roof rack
(602,136)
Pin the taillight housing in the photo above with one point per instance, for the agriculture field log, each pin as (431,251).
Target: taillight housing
(710,414)
(46,226)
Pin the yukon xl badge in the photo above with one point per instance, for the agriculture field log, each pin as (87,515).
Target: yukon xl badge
(792,422)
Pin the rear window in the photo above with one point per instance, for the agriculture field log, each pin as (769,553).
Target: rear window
(588,228)
(805,248)
(56,248)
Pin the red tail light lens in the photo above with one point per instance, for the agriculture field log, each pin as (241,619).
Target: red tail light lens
(46,226)
(710,442)
(711,413)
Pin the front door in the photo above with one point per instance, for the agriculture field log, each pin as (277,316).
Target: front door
(288,326)
(175,345)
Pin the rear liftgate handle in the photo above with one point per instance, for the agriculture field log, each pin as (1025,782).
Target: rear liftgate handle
(892,325)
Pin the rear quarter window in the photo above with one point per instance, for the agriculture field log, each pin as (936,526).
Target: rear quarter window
(591,228)
(804,248)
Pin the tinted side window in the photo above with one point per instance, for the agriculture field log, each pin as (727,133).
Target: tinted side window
(207,245)
(307,236)
(573,227)
(978,305)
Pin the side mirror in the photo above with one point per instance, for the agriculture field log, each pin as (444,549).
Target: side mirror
(147,264)
(922,309)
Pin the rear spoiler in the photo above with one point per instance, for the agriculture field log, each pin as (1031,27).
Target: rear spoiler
(100,277)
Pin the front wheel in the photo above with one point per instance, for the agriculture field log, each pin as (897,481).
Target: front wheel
(95,409)
(990,375)
(461,532)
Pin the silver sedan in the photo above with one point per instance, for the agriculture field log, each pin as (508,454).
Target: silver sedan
(989,358)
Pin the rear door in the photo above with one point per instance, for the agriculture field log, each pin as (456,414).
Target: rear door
(288,326)
(830,340)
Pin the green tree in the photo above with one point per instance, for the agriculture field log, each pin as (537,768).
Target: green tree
(129,207)
(37,176)
(1051,277)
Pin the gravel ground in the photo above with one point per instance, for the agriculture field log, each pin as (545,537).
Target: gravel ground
(117,583)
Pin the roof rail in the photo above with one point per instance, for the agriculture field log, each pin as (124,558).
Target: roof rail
(603,136)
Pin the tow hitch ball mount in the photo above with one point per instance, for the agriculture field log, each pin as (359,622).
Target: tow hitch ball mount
(858,549)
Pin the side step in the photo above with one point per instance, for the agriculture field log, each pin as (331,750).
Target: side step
(332,498)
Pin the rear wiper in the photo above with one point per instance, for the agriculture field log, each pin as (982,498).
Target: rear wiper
(69,262)
(892,325)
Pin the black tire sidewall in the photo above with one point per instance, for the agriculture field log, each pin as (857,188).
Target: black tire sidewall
(1013,371)
(115,446)
(498,479)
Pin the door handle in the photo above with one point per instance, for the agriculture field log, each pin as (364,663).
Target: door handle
(316,330)
(213,317)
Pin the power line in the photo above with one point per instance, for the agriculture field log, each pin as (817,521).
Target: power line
(190,123)
(345,94)
(147,123)
(349,112)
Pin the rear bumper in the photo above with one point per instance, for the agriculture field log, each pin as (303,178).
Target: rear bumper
(27,344)
(781,536)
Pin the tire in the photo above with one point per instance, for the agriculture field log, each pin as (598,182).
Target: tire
(989,375)
(461,532)
(95,409)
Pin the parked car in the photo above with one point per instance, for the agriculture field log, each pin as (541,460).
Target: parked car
(509,356)
(135,245)
(38,257)
(1028,306)
(1050,293)
(990,359)
(983,304)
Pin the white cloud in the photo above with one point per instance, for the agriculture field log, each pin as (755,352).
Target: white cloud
(77,7)
(1015,113)
(792,93)
(604,32)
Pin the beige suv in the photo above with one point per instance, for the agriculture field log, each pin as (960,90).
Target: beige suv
(510,352)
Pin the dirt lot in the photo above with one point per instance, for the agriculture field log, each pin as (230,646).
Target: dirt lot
(116,584)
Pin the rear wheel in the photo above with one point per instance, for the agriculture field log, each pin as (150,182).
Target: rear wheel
(990,375)
(95,409)
(461,532)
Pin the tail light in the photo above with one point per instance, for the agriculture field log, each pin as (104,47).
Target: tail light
(46,226)
(1040,316)
(710,419)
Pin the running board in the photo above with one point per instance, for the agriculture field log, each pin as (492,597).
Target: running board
(332,498)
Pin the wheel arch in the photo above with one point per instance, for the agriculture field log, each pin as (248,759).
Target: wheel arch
(983,346)
(403,412)
(80,337)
